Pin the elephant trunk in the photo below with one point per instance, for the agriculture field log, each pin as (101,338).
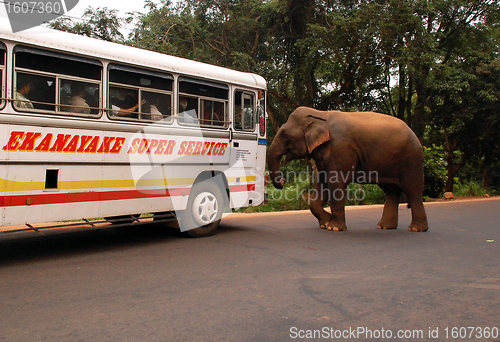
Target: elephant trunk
(276,151)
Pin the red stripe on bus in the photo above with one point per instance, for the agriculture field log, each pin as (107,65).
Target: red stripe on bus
(80,197)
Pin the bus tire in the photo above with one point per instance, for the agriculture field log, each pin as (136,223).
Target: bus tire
(204,209)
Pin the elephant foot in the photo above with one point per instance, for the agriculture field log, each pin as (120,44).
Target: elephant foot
(336,227)
(416,228)
(323,225)
(387,225)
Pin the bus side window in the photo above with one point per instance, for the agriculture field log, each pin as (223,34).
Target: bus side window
(78,97)
(188,110)
(34,92)
(124,102)
(139,94)
(50,81)
(212,113)
(157,105)
(23,88)
(202,103)
(244,111)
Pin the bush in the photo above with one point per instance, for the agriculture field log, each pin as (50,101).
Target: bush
(435,173)
(467,189)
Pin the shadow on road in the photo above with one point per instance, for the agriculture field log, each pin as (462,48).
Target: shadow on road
(30,246)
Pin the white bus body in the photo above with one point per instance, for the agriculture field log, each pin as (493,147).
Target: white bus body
(189,127)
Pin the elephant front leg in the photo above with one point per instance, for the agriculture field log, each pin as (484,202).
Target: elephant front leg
(337,206)
(317,200)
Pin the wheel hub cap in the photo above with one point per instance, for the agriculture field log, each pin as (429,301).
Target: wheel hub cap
(205,208)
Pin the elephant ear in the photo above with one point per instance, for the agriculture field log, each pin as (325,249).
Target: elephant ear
(316,133)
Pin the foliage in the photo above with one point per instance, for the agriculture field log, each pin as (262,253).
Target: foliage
(467,189)
(434,171)
(434,64)
(365,194)
(100,23)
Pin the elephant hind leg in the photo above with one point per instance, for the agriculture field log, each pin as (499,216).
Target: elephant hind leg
(389,218)
(418,215)
(413,188)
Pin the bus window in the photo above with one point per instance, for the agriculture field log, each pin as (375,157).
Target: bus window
(34,92)
(54,82)
(78,97)
(202,103)
(137,94)
(158,105)
(244,111)
(124,102)
(212,113)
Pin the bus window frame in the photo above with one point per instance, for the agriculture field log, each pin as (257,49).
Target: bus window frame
(199,122)
(167,118)
(57,82)
(253,93)
(60,106)
(57,98)
(185,121)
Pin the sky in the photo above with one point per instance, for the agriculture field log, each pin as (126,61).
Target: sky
(123,6)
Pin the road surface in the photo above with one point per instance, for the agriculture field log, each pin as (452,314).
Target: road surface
(261,277)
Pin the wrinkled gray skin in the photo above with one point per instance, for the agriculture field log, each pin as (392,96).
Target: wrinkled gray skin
(347,147)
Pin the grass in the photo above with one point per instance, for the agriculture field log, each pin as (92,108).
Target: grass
(294,196)
(468,189)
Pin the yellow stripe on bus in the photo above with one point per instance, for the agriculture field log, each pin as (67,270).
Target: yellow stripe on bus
(8,185)
(11,186)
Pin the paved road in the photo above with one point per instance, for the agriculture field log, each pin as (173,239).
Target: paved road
(260,278)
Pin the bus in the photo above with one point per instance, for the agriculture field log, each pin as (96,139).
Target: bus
(93,129)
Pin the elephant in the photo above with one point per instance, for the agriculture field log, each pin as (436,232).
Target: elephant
(360,147)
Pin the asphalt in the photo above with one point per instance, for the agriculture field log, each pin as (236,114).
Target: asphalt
(261,277)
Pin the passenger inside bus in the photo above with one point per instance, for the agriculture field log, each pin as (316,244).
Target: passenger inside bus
(125,107)
(152,102)
(187,110)
(77,99)
(22,90)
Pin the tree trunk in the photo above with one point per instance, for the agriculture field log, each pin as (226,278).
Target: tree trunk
(451,173)
(486,178)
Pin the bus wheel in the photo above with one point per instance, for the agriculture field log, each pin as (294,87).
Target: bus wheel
(204,209)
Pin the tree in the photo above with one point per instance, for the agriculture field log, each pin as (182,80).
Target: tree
(431,63)
(461,99)
(100,23)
